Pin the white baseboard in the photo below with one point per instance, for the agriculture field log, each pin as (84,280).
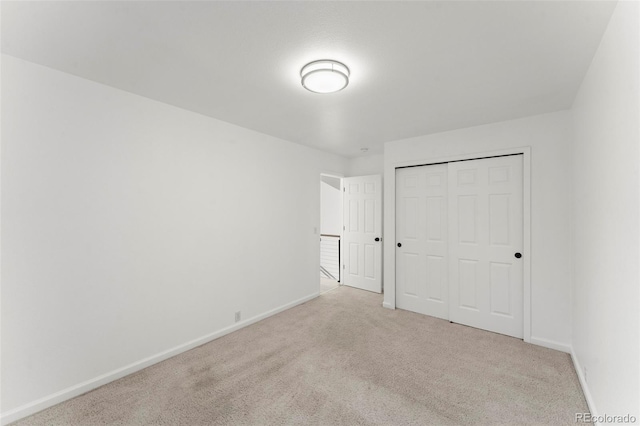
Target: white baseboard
(387,305)
(583,384)
(84,387)
(551,344)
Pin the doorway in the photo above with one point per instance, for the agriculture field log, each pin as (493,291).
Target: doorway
(351,232)
(330,232)
(460,241)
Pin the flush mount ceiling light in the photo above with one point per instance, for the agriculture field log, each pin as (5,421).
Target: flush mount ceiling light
(324,76)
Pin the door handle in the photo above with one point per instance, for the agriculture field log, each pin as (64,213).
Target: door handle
(518,255)
(377,239)
(399,245)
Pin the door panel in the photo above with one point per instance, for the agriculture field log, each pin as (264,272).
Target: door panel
(500,289)
(486,280)
(499,219)
(436,269)
(421,228)
(353,258)
(467,286)
(369,261)
(362,225)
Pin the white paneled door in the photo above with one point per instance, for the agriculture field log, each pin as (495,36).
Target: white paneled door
(485,267)
(362,267)
(459,229)
(421,233)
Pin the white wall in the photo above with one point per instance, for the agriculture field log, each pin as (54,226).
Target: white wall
(606,296)
(549,138)
(371,164)
(330,210)
(131,227)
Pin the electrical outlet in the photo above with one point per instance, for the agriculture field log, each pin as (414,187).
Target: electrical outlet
(584,373)
(238,316)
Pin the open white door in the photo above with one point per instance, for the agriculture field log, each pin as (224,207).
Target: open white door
(362,205)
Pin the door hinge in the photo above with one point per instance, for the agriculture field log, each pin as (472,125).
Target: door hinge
(343,228)
(344,189)
(344,266)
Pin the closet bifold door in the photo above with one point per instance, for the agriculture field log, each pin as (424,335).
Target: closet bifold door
(485,244)
(421,234)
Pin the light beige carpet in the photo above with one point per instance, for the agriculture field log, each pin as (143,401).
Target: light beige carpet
(341,359)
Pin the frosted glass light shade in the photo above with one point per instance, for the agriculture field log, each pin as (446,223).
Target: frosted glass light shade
(325,76)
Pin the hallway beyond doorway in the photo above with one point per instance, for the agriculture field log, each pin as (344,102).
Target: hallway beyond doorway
(327,284)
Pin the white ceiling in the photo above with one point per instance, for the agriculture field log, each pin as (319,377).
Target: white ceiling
(416,67)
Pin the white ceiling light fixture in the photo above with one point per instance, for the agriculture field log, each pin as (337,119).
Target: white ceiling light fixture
(325,76)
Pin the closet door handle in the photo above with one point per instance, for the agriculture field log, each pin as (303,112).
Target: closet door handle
(399,245)
(377,239)
(518,255)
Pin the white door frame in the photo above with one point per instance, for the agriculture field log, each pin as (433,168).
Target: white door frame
(389,225)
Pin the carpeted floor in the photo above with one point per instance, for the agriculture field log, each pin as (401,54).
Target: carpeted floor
(328,285)
(341,359)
